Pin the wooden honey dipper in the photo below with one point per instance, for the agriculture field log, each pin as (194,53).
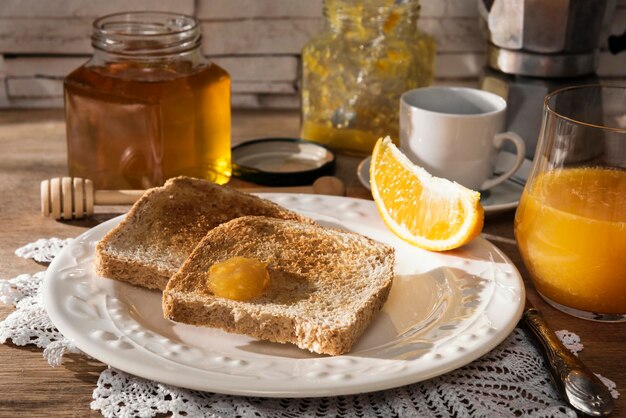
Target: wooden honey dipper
(74,197)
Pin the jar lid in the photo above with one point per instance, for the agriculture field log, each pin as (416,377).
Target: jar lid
(281,161)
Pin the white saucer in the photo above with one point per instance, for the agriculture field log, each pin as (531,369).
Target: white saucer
(501,198)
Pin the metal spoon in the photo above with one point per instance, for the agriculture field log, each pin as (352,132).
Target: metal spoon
(577,384)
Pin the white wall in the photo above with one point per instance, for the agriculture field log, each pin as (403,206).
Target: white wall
(257,41)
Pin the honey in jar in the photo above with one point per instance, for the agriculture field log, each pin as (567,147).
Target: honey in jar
(147,106)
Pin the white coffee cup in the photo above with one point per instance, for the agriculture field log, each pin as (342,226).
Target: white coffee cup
(455,133)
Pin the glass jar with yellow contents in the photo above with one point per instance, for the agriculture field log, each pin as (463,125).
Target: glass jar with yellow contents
(147,106)
(354,72)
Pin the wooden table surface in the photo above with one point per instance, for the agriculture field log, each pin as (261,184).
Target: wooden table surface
(32,148)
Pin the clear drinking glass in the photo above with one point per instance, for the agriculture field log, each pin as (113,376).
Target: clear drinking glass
(570,225)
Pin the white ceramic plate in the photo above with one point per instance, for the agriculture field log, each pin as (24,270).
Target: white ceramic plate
(444,310)
(501,198)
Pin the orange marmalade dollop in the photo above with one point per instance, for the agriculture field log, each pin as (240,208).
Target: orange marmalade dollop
(238,278)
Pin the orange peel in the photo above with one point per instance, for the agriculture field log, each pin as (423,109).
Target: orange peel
(427,211)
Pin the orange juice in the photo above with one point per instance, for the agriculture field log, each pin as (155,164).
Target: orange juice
(571,230)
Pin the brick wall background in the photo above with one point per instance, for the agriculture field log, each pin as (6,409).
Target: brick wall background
(257,41)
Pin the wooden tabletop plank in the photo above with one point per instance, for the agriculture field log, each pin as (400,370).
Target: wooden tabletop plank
(33,148)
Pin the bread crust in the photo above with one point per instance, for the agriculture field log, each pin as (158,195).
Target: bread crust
(326,285)
(164,226)
(131,271)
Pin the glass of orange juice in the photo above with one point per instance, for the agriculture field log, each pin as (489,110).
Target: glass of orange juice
(570,225)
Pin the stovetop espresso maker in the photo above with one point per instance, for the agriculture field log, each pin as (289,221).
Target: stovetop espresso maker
(535,47)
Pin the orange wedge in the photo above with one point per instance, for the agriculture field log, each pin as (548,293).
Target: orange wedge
(430,212)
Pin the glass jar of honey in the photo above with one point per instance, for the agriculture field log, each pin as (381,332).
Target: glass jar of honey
(147,106)
(354,72)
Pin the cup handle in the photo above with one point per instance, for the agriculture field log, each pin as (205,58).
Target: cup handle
(520,152)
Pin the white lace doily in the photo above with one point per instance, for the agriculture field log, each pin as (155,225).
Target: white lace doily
(43,250)
(511,380)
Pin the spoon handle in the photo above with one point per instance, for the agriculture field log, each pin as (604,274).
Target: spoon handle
(577,384)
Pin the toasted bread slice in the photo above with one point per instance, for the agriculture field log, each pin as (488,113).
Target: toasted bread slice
(166,224)
(325,286)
